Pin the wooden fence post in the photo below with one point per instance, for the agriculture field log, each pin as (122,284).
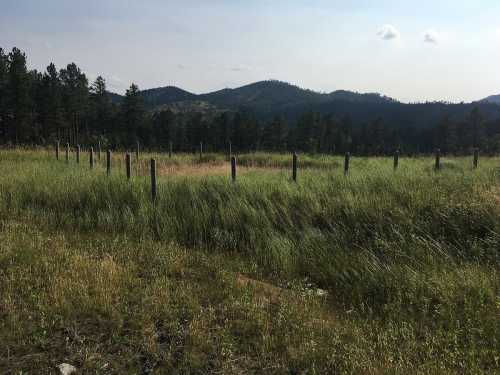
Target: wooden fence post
(233,168)
(294,167)
(127,165)
(153,179)
(346,163)
(67,152)
(137,151)
(396,159)
(437,165)
(57,150)
(476,157)
(77,154)
(91,157)
(99,151)
(108,162)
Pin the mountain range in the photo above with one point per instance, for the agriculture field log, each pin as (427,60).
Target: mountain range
(270,95)
(492,99)
(267,99)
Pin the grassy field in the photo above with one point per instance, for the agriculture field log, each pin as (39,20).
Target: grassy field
(376,272)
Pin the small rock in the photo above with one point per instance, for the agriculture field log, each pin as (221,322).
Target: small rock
(66,369)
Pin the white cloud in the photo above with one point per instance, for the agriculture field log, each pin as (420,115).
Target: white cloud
(388,32)
(431,36)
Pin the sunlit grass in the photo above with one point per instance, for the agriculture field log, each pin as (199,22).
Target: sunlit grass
(90,267)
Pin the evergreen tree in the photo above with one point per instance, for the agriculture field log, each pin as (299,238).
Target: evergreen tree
(476,128)
(50,108)
(19,101)
(133,115)
(101,108)
(446,137)
(75,94)
(4,71)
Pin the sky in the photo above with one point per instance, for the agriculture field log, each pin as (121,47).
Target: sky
(409,50)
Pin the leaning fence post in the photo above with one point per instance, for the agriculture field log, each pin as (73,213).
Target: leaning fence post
(346,163)
(396,159)
(127,165)
(153,179)
(476,157)
(294,167)
(78,154)
(108,162)
(437,166)
(233,168)
(91,157)
(67,152)
(57,150)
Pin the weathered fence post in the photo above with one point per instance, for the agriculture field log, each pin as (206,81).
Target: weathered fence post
(476,157)
(170,149)
(396,159)
(153,179)
(99,151)
(108,162)
(91,157)
(294,167)
(67,152)
(437,165)
(127,165)
(137,151)
(77,154)
(233,168)
(57,150)
(346,163)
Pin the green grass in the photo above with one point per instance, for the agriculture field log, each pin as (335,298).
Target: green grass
(93,273)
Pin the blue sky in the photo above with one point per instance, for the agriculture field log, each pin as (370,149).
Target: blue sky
(410,50)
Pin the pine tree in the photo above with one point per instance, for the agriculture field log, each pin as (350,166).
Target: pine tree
(18,97)
(50,104)
(4,71)
(476,127)
(101,108)
(75,100)
(133,116)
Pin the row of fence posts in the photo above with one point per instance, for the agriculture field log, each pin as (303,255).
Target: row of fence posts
(128,162)
(170,151)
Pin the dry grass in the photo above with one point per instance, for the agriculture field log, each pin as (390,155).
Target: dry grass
(93,274)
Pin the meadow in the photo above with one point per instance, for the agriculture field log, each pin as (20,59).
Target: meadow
(380,271)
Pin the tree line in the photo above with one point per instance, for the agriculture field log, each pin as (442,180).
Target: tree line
(60,105)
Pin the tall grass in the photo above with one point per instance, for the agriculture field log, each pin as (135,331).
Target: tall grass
(412,245)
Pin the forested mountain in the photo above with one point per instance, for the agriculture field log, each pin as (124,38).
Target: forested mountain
(60,105)
(265,98)
(268,99)
(492,99)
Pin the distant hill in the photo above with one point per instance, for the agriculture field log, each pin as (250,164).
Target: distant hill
(492,99)
(166,95)
(267,99)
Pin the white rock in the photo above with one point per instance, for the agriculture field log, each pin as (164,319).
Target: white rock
(66,369)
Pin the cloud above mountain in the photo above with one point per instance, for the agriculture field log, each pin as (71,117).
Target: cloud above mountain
(388,32)
(431,36)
